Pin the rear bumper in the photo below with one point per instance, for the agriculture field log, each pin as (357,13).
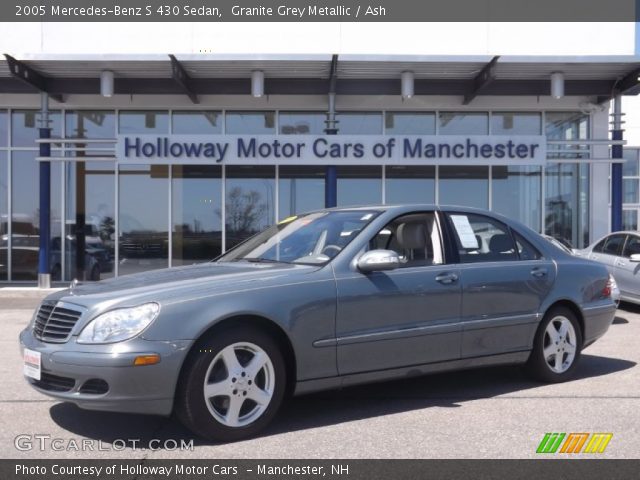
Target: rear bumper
(597,320)
(132,389)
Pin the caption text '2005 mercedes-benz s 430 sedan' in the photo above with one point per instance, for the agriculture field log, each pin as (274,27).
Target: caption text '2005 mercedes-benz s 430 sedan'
(322,300)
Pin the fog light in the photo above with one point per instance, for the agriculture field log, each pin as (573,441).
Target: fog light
(147,359)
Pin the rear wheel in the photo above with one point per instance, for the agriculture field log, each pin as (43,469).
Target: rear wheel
(232,385)
(557,347)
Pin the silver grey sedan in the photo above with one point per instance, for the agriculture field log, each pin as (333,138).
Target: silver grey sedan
(319,301)
(620,253)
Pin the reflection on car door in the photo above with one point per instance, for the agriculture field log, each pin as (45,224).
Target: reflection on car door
(608,250)
(408,316)
(626,272)
(504,281)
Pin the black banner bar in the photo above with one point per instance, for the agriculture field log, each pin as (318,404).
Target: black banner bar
(318,11)
(575,469)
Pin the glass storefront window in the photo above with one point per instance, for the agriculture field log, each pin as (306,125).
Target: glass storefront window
(144,121)
(251,123)
(25,125)
(300,189)
(302,123)
(567,203)
(143,223)
(359,123)
(25,219)
(630,190)
(630,220)
(250,201)
(196,211)
(516,123)
(90,223)
(196,123)
(90,124)
(463,123)
(567,126)
(464,185)
(516,193)
(4,128)
(409,123)
(410,184)
(630,166)
(359,185)
(4,216)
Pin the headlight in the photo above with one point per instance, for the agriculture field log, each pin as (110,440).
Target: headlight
(120,324)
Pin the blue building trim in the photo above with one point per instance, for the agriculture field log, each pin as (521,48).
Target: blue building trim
(44,263)
(331,187)
(616,183)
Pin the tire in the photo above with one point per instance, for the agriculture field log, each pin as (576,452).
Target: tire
(553,362)
(256,397)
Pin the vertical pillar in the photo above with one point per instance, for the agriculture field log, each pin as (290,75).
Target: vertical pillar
(616,168)
(44,258)
(81,202)
(331,172)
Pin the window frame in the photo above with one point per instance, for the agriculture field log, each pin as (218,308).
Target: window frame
(630,236)
(441,236)
(455,246)
(620,249)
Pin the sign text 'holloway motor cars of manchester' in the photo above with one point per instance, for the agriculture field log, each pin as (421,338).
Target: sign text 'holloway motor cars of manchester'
(342,149)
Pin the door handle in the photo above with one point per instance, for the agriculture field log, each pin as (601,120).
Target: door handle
(447,278)
(621,263)
(539,272)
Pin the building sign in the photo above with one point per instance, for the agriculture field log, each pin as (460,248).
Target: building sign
(332,149)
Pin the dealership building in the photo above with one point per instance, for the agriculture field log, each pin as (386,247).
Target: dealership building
(144,161)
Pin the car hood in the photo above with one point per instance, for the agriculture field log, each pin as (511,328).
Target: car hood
(180,282)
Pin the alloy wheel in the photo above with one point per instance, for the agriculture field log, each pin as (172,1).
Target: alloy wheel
(559,346)
(239,384)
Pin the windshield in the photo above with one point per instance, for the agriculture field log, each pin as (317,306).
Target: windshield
(314,238)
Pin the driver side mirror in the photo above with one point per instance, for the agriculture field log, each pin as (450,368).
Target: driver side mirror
(378,260)
(635,257)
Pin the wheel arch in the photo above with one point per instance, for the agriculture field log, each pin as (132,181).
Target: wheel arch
(257,321)
(573,307)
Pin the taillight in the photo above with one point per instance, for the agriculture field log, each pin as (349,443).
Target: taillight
(608,288)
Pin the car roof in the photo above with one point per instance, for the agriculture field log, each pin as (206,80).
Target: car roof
(416,206)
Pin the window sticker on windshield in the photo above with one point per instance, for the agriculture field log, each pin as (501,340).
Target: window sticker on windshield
(287,220)
(465,231)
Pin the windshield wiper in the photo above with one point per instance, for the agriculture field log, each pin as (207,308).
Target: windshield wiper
(262,260)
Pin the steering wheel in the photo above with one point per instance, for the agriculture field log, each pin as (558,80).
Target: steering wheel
(331,248)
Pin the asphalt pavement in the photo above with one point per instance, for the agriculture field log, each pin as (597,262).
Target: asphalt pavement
(487,413)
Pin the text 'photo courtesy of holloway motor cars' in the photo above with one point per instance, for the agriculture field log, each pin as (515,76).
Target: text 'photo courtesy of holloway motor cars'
(319,301)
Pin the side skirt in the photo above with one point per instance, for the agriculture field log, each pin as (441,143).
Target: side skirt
(319,384)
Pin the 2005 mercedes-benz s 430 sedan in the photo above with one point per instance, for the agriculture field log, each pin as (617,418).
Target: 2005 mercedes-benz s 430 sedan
(322,300)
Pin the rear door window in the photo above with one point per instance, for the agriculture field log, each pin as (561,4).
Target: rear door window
(613,245)
(482,239)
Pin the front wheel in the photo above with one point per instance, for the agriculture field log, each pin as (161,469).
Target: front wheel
(232,384)
(556,348)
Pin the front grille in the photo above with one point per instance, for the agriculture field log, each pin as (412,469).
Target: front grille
(54,383)
(94,386)
(54,322)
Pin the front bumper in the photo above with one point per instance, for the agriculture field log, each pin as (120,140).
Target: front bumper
(67,367)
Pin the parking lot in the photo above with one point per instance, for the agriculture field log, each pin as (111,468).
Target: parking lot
(490,413)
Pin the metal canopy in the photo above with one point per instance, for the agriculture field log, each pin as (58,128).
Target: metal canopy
(195,75)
